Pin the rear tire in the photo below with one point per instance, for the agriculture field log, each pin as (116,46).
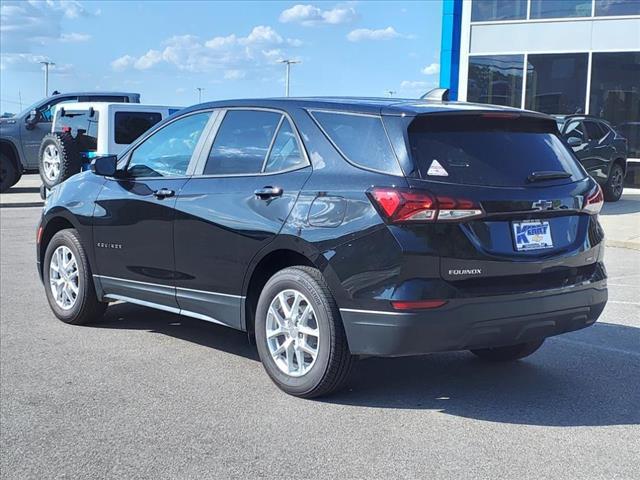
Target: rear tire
(58,158)
(77,304)
(612,190)
(508,353)
(9,174)
(297,370)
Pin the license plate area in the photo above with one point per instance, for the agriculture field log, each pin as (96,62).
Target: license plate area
(531,235)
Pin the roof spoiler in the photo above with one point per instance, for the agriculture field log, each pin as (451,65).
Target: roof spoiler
(436,95)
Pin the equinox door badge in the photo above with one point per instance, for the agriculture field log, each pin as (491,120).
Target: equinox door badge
(437,170)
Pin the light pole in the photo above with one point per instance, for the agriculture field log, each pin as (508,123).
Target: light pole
(46,64)
(288,63)
(391,92)
(200,90)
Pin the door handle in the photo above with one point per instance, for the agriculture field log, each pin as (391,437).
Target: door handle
(268,192)
(163,193)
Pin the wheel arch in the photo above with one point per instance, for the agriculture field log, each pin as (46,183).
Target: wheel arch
(285,252)
(8,148)
(49,229)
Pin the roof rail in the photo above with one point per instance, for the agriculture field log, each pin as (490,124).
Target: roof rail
(437,95)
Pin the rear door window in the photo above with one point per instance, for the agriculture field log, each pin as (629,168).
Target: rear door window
(361,139)
(285,152)
(594,130)
(575,130)
(472,150)
(130,125)
(242,142)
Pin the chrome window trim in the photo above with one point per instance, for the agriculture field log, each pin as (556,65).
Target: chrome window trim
(348,160)
(373,312)
(223,111)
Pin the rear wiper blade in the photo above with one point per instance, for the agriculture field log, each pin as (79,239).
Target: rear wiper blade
(547,175)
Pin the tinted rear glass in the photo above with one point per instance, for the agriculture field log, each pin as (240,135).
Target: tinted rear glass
(476,150)
(361,139)
(82,126)
(130,125)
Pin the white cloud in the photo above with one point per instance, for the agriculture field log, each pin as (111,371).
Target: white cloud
(122,63)
(416,88)
(231,53)
(432,69)
(148,60)
(412,84)
(234,74)
(74,37)
(309,15)
(361,34)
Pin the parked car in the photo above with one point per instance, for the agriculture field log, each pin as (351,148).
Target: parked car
(21,136)
(332,228)
(601,150)
(82,131)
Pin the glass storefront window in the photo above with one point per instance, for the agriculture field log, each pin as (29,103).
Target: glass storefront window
(487,10)
(615,94)
(605,8)
(560,8)
(496,80)
(557,83)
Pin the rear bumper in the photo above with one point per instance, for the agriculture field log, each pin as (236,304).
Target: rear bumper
(475,322)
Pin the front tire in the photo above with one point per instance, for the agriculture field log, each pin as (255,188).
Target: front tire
(9,174)
(612,190)
(508,353)
(299,334)
(58,158)
(68,280)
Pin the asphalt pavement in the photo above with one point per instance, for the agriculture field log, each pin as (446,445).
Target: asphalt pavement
(150,395)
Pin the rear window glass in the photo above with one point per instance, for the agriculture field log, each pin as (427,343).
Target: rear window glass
(361,139)
(82,126)
(130,125)
(473,150)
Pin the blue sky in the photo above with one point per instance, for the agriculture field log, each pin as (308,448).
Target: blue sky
(165,50)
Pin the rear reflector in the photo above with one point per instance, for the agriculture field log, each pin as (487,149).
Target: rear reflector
(39,235)
(594,201)
(401,205)
(418,305)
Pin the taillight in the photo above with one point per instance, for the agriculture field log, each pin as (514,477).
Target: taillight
(398,205)
(594,201)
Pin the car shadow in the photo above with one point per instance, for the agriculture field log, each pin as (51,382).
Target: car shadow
(585,378)
(24,190)
(629,203)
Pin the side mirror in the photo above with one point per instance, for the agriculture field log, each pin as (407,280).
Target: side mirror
(31,119)
(105,166)
(574,141)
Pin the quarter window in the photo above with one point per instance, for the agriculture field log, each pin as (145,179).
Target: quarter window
(285,152)
(168,151)
(594,130)
(242,142)
(575,130)
(361,139)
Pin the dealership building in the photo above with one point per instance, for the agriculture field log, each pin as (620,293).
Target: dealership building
(553,56)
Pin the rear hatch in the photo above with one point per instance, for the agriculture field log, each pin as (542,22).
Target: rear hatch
(513,203)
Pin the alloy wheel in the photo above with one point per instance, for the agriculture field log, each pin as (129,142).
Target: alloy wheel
(51,162)
(617,182)
(292,333)
(64,277)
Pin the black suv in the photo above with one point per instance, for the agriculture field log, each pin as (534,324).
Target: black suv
(600,149)
(331,228)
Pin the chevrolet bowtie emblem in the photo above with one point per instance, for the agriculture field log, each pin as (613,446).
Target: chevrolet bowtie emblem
(542,205)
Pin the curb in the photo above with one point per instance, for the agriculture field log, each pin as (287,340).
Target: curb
(623,244)
(21,204)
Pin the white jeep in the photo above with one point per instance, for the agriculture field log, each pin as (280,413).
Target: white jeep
(84,130)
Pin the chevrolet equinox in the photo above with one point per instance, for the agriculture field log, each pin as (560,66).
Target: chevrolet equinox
(336,228)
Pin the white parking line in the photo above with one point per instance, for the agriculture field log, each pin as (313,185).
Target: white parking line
(601,347)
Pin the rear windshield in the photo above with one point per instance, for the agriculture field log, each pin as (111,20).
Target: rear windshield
(82,126)
(478,150)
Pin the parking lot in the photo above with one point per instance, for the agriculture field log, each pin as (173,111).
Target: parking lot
(147,394)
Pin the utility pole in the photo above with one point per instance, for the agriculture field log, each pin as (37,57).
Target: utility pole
(46,64)
(288,63)
(200,90)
